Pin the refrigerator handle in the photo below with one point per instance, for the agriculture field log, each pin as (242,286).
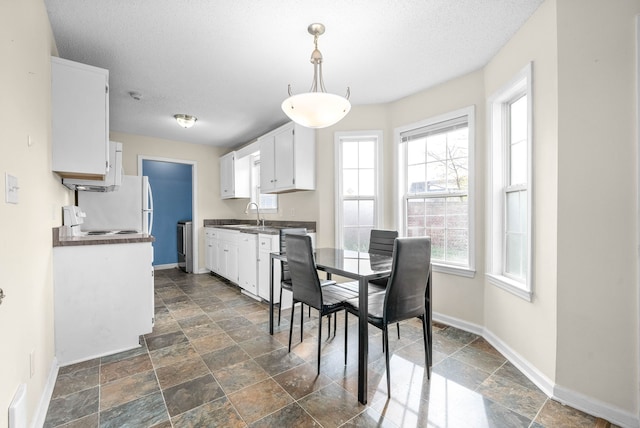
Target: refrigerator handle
(150,209)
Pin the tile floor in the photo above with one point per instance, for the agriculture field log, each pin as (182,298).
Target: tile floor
(211,362)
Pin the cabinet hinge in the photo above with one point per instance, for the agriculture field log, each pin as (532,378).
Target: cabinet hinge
(106,89)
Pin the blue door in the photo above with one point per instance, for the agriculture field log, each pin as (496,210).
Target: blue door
(171,184)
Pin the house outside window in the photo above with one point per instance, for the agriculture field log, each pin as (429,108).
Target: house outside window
(436,164)
(509,205)
(358,204)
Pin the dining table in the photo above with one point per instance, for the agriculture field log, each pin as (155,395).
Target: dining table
(361,266)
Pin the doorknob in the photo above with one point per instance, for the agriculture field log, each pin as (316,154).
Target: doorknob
(2,295)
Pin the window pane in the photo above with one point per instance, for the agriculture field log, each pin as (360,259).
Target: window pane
(458,213)
(268,201)
(350,235)
(513,212)
(416,151)
(435,211)
(367,154)
(436,177)
(350,182)
(367,182)
(513,255)
(457,246)
(458,143)
(350,213)
(363,237)
(437,147)
(518,124)
(416,178)
(366,214)
(437,243)
(457,174)
(518,163)
(349,154)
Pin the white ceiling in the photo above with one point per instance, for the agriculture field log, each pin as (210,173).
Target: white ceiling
(229,62)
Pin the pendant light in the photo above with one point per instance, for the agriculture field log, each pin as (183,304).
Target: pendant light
(316,108)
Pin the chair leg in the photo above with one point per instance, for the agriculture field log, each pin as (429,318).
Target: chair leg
(335,324)
(301,319)
(319,342)
(328,325)
(291,325)
(398,325)
(385,338)
(346,330)
(427,358)
(280,307)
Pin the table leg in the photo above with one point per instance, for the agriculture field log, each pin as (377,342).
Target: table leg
(271,298)
(363,339)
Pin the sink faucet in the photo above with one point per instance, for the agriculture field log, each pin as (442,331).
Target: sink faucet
(246,211)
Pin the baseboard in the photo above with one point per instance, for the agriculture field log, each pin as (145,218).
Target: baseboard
(165,267)
(547,386)
(45,398)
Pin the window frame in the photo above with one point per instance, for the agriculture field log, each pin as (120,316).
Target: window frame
(401,186)
(498,137)
(255,188)
(339,137)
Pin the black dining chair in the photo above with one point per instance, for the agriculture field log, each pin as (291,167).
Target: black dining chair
(405,296)
(307,287)
(285,276)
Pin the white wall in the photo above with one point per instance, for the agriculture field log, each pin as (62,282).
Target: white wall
(529,328)
(597,325)
(26,314)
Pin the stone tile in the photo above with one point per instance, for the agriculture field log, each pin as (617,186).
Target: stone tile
(343,405)
(478,358)
(233,323)
(554,414)
(260,345)
(91,421)
(199,326)
(462,373)
(78,366)
(372,419)
(245,333)
(512,395)
(510,372)
(457,335)
(72,407)
(259,400)
(302,380)
(145,411)
(162,341)
(119,369)
(193,393)
(218,413)
(187,311)
(278,361)
(165,327)
(207,344)
(237,376)
(141,350)
(172,354)
(127,389)
(181,371)
(219,315)
(225,357)
(76,381)
(290,416)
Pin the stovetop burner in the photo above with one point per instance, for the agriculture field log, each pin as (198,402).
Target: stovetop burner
(126,232)
(98,232)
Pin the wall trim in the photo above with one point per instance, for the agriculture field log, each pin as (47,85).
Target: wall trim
(165,266)
(45,398)
(554,391)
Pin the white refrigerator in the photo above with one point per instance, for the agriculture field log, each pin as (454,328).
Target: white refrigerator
(130,208)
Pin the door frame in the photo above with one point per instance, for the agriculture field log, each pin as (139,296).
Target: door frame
(194,200)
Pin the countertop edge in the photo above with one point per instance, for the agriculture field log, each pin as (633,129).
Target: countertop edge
(74,241)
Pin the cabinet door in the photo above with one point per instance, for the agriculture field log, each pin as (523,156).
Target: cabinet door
(284,156)
(79,119)
(226,176)
(232,260)
(266,245)
(247,263)
(267,164)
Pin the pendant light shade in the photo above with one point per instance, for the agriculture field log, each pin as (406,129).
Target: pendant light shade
(316,108)
(185,120)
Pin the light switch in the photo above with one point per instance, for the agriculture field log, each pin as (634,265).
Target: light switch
(10,188)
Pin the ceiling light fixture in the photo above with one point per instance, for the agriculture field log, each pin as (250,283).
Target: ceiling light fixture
(316,108)
(185,120)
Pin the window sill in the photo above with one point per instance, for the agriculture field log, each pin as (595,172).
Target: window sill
(511,286)
(454,270)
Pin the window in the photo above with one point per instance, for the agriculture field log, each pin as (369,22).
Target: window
(436,169)
(357,188)
(268,203)
(509,237)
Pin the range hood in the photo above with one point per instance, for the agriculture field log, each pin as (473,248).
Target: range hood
(112,180)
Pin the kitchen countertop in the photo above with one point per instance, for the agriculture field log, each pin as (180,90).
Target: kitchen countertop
(271,227)
(70,241)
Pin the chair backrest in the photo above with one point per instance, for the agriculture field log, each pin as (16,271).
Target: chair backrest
(407,284)
(381,241)
(284,271)
(302,266)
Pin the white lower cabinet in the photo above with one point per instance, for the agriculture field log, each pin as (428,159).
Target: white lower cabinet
(228,254)
(103,299)
(211,249)
(248,263)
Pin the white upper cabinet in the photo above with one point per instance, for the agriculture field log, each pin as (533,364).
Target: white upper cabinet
(235,176)
(288,159)
(80,119)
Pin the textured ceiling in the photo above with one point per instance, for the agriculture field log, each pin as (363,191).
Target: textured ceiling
(229,62)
